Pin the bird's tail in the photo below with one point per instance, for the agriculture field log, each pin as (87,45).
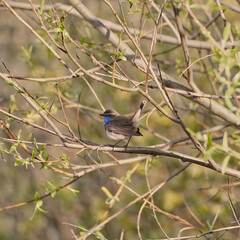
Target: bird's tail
(136,115)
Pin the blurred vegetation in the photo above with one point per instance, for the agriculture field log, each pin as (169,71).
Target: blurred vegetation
(79,191)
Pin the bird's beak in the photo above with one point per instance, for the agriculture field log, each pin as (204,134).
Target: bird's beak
(101,114)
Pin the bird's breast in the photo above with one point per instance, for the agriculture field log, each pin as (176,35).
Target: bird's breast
(115,136)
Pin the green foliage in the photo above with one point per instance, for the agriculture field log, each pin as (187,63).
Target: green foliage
(50,188)
(12,105)
(27,54)
(97,233)
(73,191)
(197,135)
(222,151)
(227,31)
(83,40)
(38,206)
(109,195)
(41,7)
(15,87)
(121,56)
(65,159)
(60,30)
(41,151)
(225,163)
(132,3)
(1,147)
(111,181)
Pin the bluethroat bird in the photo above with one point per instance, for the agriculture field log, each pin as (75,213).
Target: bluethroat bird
(120,127)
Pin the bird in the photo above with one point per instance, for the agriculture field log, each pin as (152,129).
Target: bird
(119,127)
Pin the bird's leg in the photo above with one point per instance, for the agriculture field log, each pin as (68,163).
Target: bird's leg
(127,143)
(116,144)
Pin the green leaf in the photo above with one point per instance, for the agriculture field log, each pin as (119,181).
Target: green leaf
(27,53)
(106,191)
(209,224)
(52,189)
(81,225)
(15,87)
(197,135)
(1,147)
(62,27)
(64,157)
(132,2)
(74,191)
(225,163)
(57,30)
(83,40)
(50,11)
(33,154)
(38,205)
(65,160)
(45,156)
(128,176)
(99,235)
(109,195)
(136,10)
(120,55)
(41,7)
(19,136)
(13,148)
(53,194)
(29,137)
(209,140)
(66,163)
(236,138)
(51,185)
(83,228)
(229,92)
(209,153)
(41,152)
(17,163)
(36,146)
(12,106)
(37,196)
(24,161)
(43,187)
(227,31)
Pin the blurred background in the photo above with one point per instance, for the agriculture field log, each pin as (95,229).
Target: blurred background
(198,195)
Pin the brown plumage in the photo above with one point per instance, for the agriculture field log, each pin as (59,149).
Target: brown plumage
(120,127)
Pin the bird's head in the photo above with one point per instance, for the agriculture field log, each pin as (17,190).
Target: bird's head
(109,113)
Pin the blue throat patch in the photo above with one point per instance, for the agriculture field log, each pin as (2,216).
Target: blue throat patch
(106,120)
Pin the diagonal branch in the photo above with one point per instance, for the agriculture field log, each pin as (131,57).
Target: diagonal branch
(116,27)
(168,81)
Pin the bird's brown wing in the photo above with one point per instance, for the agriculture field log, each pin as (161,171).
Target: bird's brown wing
(123,125)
